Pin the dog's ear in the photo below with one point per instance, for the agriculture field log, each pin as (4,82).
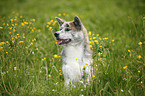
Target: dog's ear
(77,22)
(60,21)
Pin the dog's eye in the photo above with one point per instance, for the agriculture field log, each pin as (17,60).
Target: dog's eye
(67,25)
(67,29)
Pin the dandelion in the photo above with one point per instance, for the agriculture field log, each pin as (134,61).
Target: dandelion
(37,49)
(124,67)
(13,25)
(96,69)
(26,23)
(33,20)
(140,43)
(90,38)
(50,28)
(7,24)
(6,52)
(94,37)
(1,48)
(24,37)
(51,20)
(64,14)
(60,74)
(11,20)
(48,23)
(10,28)
(89,33)
(97,34)
(21,41)
(22,24)
(93,76)
(15,19)
(44,58)
(59,14)
(84,67)
(100,39)
(138,71)
(17,34)
(55,56)
(128,50)
(26,47)
(112,40)
(144,18)
(139,56)
(76,58)
(49,76)
(34,39)
(90,46)
(31,43)
(1,27)
(21,16)
(100,46)
(4,24)
(86,63)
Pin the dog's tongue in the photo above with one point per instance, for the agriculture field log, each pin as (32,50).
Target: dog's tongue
(59,41)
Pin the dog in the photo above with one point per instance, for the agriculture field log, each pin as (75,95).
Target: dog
(76,54)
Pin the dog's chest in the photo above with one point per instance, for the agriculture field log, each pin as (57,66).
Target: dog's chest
(72,54)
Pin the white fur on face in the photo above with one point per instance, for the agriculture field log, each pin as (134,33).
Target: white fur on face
(76,37)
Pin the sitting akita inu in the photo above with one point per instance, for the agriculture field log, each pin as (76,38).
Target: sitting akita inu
(76,50)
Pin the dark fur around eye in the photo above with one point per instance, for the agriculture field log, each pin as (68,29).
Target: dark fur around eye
(67,25)
(67,29)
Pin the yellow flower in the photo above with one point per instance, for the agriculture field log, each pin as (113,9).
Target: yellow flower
(44,58)
(112,40)
(96,69)
(55,56)
(22,24)
(59,14)
(138,71)
(21,41)
(90,38)
(140,43)
(100,39)
(59,70)
(48,23)
(2,43)
(37,49)
(86,63)
(97,34)
(93,76)
(90,46)
(31,43)
(143,17)
(26,23)
(94,37)
(17,34)
(139,56)
(7,24)
(1,27)
(4,24)
(96,41)
(10,28)
(84,67)
(124,67)
(100,46)
(34,39)
(76,58)
(50,28)
(89,33)
(6,52)
(47,26)
(128,50)
(24,37)
(51,20)
(60,74)
(15,19)
(1,48)
(49,76)
(21,16)
(12,20)
(26,47)
(64,14)
(34,20)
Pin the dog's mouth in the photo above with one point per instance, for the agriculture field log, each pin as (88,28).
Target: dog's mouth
(63,41)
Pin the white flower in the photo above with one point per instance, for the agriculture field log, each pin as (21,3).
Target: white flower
(15,68)
(122,90)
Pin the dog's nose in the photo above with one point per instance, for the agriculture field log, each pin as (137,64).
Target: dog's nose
(56,34)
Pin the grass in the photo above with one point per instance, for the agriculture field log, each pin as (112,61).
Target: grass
(30,61)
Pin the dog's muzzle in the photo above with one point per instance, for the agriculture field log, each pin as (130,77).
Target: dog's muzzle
(61,41)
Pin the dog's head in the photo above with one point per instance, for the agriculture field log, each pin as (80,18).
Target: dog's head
(70,32)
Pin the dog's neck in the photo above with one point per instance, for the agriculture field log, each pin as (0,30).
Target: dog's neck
(73,54)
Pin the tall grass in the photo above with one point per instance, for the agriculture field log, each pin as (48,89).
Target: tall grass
(30,59)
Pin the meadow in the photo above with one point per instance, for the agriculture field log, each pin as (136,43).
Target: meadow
(30,60)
